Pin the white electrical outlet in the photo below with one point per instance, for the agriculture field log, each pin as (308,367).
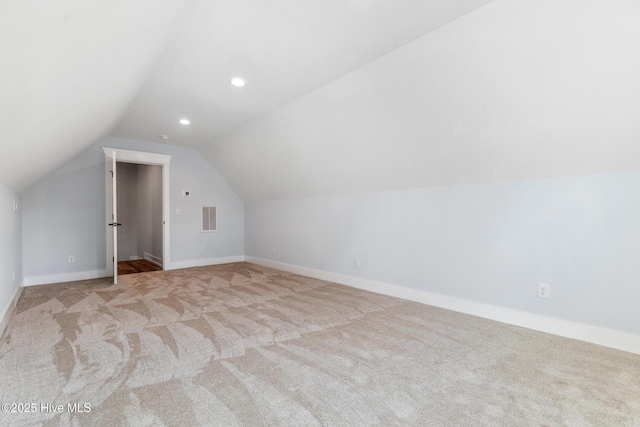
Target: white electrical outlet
(202,248)
(356,262)
(543,290)
(13,275)
(273,250)
(177,211)
(71,259)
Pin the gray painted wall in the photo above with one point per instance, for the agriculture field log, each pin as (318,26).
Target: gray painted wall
(127,181)
(489,243)
(149,210)
(65,214)
(10,247)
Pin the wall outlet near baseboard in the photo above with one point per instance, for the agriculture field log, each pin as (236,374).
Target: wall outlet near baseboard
(543,290)
(273,250)
(356,262)
(71,259)
(202,248)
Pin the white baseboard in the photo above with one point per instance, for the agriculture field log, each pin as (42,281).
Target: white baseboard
(8,310)
(593,334)
(65,277)
(153,259)
(134,258)
(203,262)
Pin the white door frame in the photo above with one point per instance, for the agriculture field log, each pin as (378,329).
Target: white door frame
(144,158)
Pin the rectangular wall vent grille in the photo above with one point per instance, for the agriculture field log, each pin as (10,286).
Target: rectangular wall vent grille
(209,218)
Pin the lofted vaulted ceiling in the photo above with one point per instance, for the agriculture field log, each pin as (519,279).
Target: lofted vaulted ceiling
(517,89)
(341,95)
(283,49)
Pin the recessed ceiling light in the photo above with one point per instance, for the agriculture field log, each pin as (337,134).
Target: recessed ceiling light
(237,82)
(184,122)
(164,136)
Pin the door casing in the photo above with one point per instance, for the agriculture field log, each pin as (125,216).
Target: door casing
(144,158)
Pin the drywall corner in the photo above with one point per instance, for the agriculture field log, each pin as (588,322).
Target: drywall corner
(8,311)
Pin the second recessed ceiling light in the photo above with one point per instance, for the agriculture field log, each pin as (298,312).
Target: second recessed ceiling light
(237,82)
(184,122)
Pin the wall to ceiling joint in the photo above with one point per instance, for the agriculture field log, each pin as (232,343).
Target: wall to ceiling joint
(513,90)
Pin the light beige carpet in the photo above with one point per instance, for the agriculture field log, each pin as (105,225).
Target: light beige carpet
(241,344)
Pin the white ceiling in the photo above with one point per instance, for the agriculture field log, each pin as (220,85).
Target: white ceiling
(518,89)
(283,49)
(342,95)
(69,70)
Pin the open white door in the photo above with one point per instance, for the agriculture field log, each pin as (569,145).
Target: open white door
(114,216)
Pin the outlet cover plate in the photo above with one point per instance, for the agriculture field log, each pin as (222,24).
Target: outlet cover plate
(543,290)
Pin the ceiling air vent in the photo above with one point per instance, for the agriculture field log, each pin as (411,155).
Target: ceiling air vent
(209,219)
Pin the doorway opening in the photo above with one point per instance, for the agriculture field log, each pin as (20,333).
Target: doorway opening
(137,266)
(139,217)
(137,200)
